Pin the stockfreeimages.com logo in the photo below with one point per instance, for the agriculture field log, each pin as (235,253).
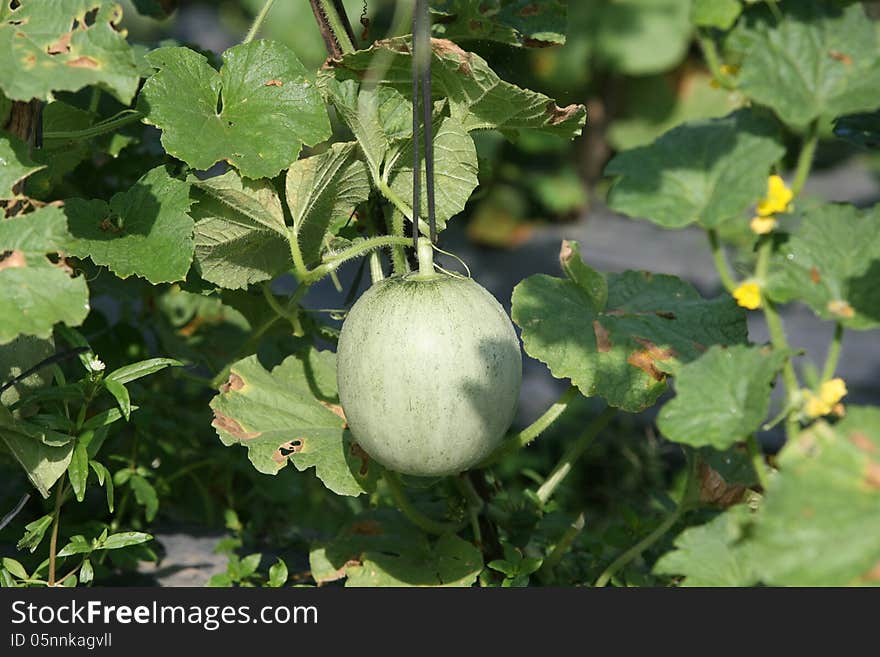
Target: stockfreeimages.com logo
(209,617)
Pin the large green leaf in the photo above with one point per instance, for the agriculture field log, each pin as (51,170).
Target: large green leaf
(20,355)
(322,192)
(704,172)
(15,164)
(50,45)
(144,231)
(638,37)
(43,464)
(512,22)
(382,548)
(478,98)
(832,263)
(239,232)
(709,555)
(292,413)
(455,171)
(35,293)
(821,60)
(651,325)
(820,521)
(721,397)
(721,14)
(255,113)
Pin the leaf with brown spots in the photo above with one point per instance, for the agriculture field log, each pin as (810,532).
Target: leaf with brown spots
(721,397)
(831,262)
(477,97)
(383,548)
(35,292)
(819,523)
(649,326)
(62,52)
(291,414)
(520,23)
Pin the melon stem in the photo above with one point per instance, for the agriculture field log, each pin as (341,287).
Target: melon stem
(426,257)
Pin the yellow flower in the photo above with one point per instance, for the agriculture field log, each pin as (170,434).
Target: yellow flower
(762,225)
(777,199)
(748,295)
(830,394)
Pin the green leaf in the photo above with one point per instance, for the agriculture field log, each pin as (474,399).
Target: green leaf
(382,548)
(278,574)
(710,554)
(135,371)
(144,231)
(704,172)
(50,46)
(145,495)
(720,14)
(819,524)
(721,397)
(86,572)
(77,544)
(34,533)
(35,293)
(638,37)
(592,282)
(78,470)
(15,568)
(240,234)
(322,192)
(269,107)
(120,394)
(15,164)
(822,60)
(455,172)
(124,540)
(18,356)
(652,324)
(104,479)
(832,263)
(292,413)
(249,565)
(105,418)
(522,23)
(43,464)
(478,98)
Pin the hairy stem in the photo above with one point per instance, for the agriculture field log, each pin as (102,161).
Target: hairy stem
(361,248)
(632,553)
(720,260)
(395,487)
(833,353)
(258,21)
(757,457)
(805,158)
(109,125)
(535,429)
(573,453)
(334,26)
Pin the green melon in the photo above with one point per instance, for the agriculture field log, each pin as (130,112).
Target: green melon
(429,371)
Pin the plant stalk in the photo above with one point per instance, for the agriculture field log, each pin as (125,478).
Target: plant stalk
(56,522)
(535,429)
(721,264)
(833,354)
(756,455)
(418,518)
(573,453)
(258,21)
(632,553)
